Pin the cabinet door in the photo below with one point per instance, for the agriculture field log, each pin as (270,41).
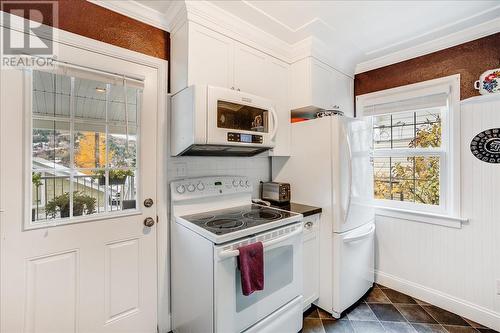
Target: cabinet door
(321,84)
(343,92)
(249,70)
(210,58)
(311,260)
(276,84)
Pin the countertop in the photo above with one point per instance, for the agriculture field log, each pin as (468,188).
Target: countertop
(299,208)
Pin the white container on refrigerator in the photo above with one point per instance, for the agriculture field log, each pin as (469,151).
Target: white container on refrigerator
(331,168)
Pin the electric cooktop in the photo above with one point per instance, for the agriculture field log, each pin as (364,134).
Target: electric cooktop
(224,221)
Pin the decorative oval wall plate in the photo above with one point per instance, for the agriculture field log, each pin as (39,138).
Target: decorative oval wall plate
(486,146)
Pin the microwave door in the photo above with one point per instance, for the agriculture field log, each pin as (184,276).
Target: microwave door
(239,119)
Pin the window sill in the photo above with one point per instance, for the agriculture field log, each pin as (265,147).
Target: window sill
(422,217)
(30,225)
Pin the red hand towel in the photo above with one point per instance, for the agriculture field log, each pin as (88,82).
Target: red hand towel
(251,265)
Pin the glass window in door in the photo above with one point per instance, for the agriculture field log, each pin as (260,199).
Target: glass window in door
(84,147)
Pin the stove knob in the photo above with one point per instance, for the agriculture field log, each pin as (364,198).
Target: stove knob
(247,183)
(201,186)
(241,182)
(235,183)
(191,188)
(181,189)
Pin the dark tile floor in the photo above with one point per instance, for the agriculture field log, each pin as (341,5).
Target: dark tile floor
(387,310)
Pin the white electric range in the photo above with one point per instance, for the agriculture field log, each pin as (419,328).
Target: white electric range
(211,218)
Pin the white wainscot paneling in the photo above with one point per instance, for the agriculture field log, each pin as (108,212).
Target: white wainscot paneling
(53,277)
(456,269)
(122,279)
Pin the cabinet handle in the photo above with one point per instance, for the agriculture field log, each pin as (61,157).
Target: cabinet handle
(308,225)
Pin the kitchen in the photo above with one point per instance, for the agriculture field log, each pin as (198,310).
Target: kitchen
(231,166)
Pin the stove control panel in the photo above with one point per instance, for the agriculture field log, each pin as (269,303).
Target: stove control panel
(209,186)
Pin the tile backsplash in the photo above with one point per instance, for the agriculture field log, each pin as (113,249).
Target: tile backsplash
(256,168)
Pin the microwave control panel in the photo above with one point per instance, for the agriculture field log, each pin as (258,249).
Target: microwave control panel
(245,138)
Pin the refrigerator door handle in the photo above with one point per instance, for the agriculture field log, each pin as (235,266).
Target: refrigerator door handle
(349,161)
(359,237)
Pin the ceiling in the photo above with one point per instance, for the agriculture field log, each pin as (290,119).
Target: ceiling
(366,29)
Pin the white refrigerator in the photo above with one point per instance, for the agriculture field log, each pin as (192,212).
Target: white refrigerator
(331,167)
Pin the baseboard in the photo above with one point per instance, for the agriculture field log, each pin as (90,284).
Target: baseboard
(461,307)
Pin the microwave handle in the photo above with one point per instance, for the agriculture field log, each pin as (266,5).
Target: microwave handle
(235,253)
(275,122)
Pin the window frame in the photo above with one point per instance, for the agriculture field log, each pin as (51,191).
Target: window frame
(28,224)
(449,152)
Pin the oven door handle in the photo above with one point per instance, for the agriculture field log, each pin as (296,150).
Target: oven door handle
(235,253)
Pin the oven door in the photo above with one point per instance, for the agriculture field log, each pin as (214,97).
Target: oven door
(235,312)
(240,119)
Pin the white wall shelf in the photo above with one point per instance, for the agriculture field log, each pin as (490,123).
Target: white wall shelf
(482,99)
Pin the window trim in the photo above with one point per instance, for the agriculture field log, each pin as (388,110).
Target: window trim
(449,151)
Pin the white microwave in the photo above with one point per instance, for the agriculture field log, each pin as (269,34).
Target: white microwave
(213,121)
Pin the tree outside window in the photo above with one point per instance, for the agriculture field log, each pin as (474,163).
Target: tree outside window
(410,178)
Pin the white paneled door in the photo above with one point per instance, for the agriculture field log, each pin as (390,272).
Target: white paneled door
(78,160)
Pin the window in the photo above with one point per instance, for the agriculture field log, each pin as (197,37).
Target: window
(84,141)
(413,145)
(407,155)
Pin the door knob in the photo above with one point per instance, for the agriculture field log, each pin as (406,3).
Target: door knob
(148,202)
(149,222)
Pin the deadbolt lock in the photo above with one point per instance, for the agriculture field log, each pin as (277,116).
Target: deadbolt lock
(148,202)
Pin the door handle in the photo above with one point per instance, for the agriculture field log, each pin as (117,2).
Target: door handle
(275,122)
(148,202)
(349,160)
(359,237)
(149,222)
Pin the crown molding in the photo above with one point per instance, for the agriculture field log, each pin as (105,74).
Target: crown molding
(136,11)
(462,36)
(337,54)
(176,15)
(217,19)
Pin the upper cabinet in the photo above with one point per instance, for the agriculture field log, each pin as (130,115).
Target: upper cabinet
(275,86)
(316,86)
(249,70)
(200,56)
(210,59)
(203,56)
